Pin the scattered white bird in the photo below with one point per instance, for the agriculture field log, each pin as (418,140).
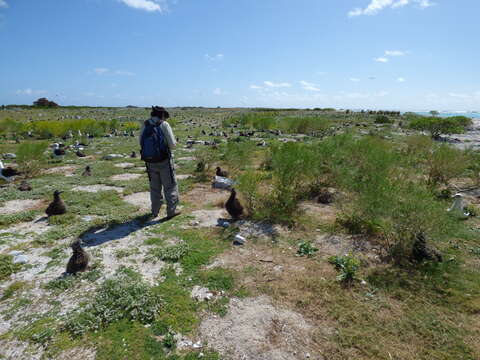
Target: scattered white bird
(57,152)
(458,206)
(7,173)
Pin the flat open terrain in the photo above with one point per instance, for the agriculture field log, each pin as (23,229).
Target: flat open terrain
(333,204)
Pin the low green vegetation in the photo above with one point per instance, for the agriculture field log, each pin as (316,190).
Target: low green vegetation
(7,267)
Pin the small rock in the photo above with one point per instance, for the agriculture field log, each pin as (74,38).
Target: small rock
(15,253)
(201,294)
(223,223)
(112,156)
(268,259)
(222,183)
(9,156)
(239,240)
(20,259)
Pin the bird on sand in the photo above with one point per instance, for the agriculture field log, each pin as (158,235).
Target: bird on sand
(57,151)
(87,171)
(233,206)
(79,260)
(25,186)
(221,172)
(57,206)
(7,173)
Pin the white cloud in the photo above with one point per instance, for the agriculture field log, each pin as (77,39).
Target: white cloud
(401,80)
(375,6)
(123,72)
(147,5)
(460,96)
(101,71)
(395,53)
(309,86)
(3,4)
(276,85)
(218,91)
(255,87)
(354,79)
(218,57)
(381,59)
(29,91)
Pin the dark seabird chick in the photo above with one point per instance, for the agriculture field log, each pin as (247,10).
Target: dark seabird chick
(221,172)
(79,260)
(57,206)
(25,186)
(133,154)
(87,171)
(233,206)
(80,154)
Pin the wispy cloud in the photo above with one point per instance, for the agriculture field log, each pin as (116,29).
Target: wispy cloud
(218,57)
(123,72)
(354,79)
(256,87)
(375,6)
(276,85)
(3,4)
(101,71)
(401,80)
(218,91)
(309,86)
(29,91)
(381,59)
(146,5)
(395,53)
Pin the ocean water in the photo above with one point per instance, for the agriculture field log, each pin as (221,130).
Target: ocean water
(470,114)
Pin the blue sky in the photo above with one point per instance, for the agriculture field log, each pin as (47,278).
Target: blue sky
(393,54)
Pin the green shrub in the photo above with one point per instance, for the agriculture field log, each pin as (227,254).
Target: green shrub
(347,265)
(7,267)
(445,163)
(31,158)
(171,253)
(440,126)
(383,119)
(126,296)
(306,248)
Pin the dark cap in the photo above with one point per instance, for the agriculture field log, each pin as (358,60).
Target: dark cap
(160,112)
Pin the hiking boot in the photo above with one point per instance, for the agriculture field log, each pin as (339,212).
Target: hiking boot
(176,213)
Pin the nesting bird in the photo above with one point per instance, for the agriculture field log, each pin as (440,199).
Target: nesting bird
(57,206)
(79,260)
(458,206)
(221,172)
(233,206)
(57,151)
(133,154)
(6,173)
(25,186)
(87,171)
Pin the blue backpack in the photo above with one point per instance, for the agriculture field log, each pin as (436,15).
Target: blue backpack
(153,143)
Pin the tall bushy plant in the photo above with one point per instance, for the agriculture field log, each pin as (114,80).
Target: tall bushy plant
(31,158)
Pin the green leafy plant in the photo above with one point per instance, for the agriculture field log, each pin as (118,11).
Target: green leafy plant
(306,248)
(171,253)
(7,267)
(347,265)
(125,296)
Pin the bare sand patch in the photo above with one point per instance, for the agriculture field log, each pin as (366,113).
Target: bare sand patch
(66,170)
(141,199)
(97,188)
(208,218)
(203,195)
(83,353)
(125,165)
(122,177)
(183,176)
(256,329)
(15,206)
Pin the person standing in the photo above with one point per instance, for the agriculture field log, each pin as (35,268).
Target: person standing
(157,143)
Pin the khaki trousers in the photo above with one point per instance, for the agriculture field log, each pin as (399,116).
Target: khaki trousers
(162,175)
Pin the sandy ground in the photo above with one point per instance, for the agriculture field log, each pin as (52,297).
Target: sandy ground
(255,329)
(127,176)
(141,199)
(16,206)
(97,188)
